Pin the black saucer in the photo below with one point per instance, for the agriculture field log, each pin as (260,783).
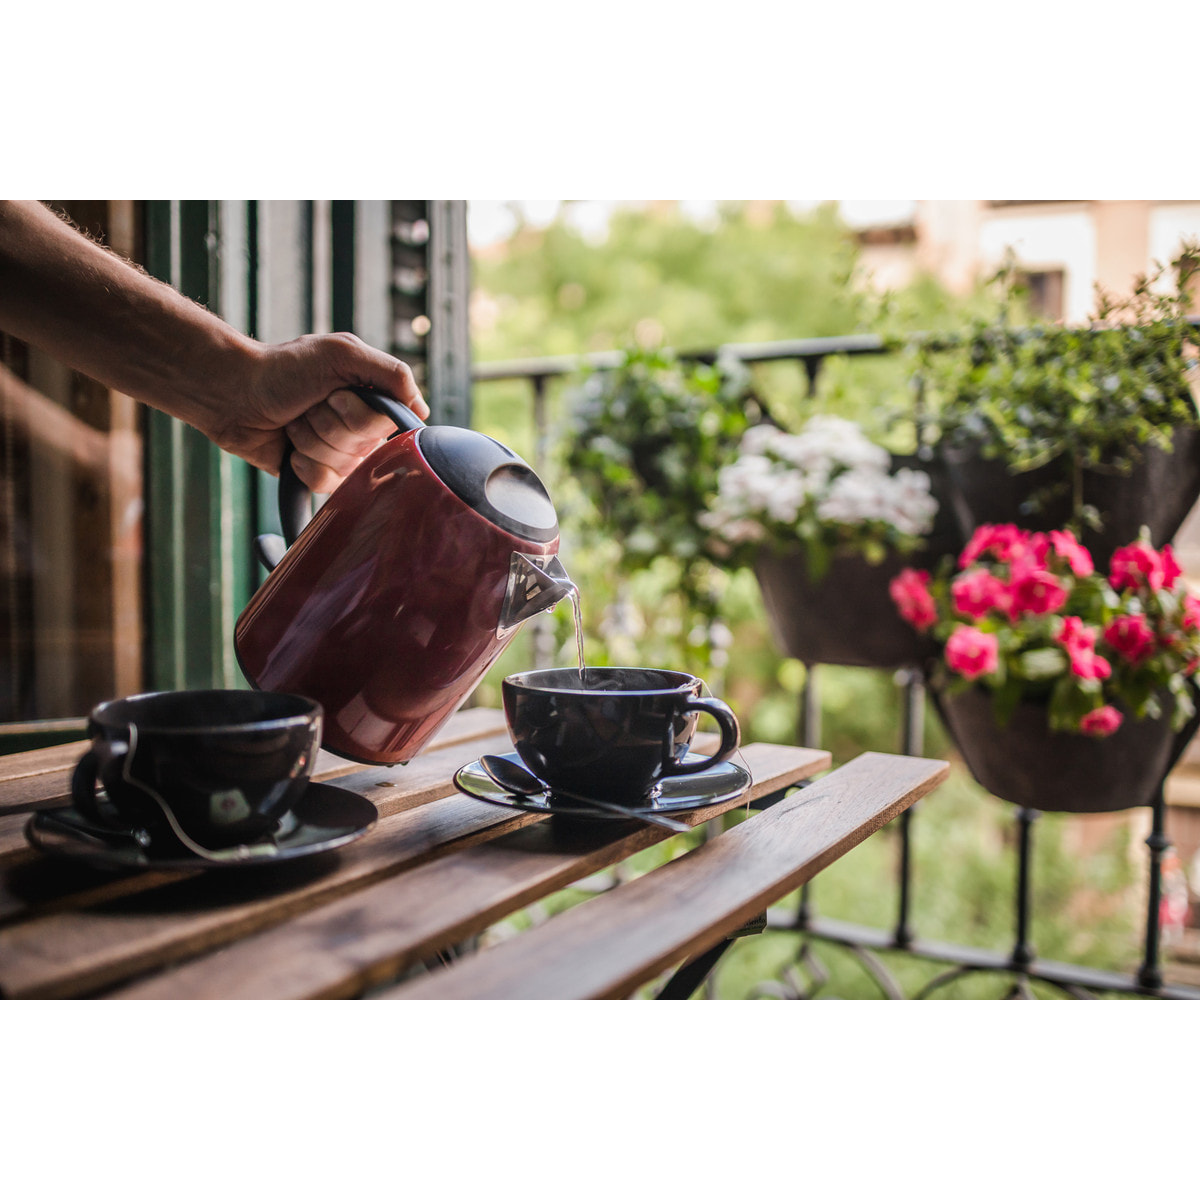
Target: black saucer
(676,794)
(324,818)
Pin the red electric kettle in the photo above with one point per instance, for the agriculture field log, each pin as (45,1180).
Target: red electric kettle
(391,602)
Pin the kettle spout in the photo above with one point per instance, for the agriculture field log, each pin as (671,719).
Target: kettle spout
(534,586)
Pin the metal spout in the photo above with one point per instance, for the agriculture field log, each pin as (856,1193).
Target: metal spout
(534,585)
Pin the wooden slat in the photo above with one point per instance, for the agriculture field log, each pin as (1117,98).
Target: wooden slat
(608,946)
(39,762)
(369,937)
(43,778)
(31,884)
(75,953)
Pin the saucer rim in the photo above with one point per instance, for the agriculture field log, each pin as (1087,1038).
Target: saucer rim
(65,845)
(540,802)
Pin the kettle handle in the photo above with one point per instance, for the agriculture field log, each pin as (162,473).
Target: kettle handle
(295,500)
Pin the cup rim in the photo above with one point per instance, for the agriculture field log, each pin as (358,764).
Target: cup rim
(106,715)
(530,681)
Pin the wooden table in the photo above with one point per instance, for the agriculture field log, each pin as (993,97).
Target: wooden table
(437,869)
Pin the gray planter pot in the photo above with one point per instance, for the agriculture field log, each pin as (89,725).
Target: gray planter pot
(1159,492)
(847,618)
(1026,764)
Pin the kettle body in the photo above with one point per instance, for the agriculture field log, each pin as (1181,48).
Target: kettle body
(404,588)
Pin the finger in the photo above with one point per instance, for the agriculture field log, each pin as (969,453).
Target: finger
(359,419)
(349,424)
(315,475)
(369,367)
(306,440)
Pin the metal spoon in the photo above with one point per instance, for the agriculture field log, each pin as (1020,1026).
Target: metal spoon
(513,777)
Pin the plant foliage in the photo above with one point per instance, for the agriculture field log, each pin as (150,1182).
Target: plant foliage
(1085,398)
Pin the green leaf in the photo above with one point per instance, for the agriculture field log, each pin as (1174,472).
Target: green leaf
(1045,663)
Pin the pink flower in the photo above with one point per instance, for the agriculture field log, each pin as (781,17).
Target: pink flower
(1079,641)
(910,593)
(1074,634)
(1086,664)
(1170,565)
(1101,722)
(1131,637)
(1004,542)
(971,652)
(1191,611)
(1062,543)
(1036,591)
(977,592)
(1135,566)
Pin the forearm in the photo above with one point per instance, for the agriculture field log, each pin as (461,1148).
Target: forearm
(101,315)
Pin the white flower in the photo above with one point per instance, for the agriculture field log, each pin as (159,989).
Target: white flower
(758,439)
(913,508)
(854,497)
(829,469)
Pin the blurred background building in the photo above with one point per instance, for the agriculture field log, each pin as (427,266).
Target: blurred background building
(1063,247)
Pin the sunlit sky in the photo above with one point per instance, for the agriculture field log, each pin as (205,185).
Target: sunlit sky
(490,221)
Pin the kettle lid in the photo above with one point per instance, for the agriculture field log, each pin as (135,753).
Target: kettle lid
(491,479)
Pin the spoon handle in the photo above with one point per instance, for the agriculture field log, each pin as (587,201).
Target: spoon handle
(649,818)
(517,780)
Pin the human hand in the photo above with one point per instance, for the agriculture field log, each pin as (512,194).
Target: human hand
(297,389)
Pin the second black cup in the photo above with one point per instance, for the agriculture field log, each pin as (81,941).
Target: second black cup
(612,733)
(217,768)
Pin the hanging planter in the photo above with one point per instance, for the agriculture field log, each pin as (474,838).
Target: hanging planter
(827,519)
(1160,489)
(1093,428)
(1066,690)
(846,618)
(1026,763)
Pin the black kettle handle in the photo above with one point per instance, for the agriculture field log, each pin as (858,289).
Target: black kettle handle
(295,500)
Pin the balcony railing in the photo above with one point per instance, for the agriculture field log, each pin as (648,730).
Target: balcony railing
(1020,962)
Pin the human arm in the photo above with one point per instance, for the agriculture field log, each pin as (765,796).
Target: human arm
(103,316)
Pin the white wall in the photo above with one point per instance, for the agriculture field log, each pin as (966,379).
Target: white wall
(1050,241)
(1170,225)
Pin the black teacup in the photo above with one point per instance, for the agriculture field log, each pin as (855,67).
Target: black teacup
(612,733)
(218,768)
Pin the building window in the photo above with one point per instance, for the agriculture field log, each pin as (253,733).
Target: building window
(1045,290)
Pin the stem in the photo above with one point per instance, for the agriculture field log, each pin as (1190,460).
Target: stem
(1077,493)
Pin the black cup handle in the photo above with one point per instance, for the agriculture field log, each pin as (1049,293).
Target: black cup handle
(295,500)
(87,774)
(730,735)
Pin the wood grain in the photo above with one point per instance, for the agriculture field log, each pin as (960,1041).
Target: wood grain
(77,952)
(36,779)
(38,762)
(113,920)
(367,938)
(610,945)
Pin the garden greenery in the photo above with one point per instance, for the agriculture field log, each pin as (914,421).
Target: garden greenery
(1087,397)
(645,442)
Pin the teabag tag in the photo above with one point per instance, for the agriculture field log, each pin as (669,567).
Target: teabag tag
(535,584)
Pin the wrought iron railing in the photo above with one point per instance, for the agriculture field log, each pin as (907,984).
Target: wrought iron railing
(1020,962)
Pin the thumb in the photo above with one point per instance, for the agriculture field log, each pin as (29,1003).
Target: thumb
(365,366)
